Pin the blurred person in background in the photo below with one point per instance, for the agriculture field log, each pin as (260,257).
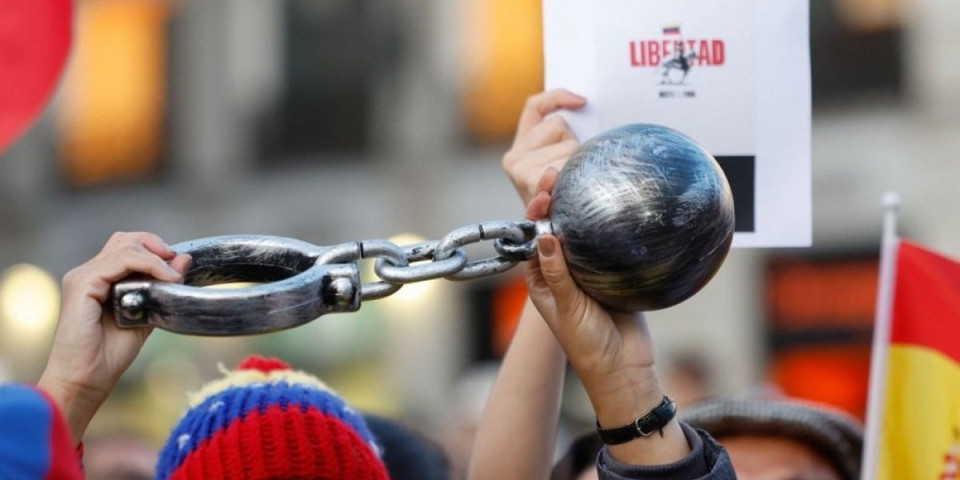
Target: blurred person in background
(460,429)
(119,455)
(689,379)
(612,353)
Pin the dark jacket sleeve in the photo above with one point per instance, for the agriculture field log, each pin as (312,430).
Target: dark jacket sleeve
(707,461)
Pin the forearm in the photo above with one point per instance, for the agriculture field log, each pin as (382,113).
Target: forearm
(517,434)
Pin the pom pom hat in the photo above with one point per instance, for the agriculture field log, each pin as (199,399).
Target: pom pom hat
(266,421)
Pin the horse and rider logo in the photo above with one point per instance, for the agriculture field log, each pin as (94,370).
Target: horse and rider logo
(675,69)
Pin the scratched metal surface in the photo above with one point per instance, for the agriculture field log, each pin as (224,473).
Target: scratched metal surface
(645,217)
(298,291)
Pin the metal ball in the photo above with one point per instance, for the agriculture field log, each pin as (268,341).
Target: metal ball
(644,215)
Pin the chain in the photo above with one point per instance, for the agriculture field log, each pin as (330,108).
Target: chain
(397,265)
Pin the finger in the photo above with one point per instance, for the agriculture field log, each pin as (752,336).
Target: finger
(568,297)
(543,104)
(519,162)
(533,276)
(148,240)
(181,263)
(96,277)
(539,207)
(125,262)
(526,169)
(157,246)
(555,155)
(548,180)
(551,130)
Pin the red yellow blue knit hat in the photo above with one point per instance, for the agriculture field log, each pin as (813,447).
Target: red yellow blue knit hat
(266,421)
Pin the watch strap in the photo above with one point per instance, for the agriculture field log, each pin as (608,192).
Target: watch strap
(644,426)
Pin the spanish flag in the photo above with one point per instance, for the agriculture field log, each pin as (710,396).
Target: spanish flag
(917,433)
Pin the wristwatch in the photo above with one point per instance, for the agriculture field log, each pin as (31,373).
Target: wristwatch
(644,426)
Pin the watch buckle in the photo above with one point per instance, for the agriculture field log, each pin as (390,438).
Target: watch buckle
(636,424)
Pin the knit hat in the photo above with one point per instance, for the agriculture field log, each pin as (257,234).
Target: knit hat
(267,421)
(833,434)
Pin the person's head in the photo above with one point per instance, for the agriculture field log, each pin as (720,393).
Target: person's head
(767,439)
(771,439)
(408,454)
(265,421)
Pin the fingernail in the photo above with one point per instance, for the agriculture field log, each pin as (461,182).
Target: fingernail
(546,246)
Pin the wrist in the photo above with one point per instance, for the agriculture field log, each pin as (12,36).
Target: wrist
(77,402)
(652,422)
(619,398)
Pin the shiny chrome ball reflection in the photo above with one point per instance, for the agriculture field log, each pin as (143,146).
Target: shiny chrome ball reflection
(645,217)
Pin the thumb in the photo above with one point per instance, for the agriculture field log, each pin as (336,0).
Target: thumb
(567,296)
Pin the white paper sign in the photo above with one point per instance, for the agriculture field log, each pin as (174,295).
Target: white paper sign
(734,75)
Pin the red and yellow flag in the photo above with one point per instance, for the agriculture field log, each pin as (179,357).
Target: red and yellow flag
(922,403)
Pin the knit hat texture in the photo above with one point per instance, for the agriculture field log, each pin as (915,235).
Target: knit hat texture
(266,421)
(830,432)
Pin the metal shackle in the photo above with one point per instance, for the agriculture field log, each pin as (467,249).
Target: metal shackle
(299,288)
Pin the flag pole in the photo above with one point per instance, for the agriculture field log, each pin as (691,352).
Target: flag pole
(881,337)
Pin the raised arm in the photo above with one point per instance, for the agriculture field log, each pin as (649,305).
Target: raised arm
(90,352)
(517,434)
(610,351)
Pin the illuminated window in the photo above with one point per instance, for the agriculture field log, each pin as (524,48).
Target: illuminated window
(820,319)
(870,15)
(837,376)
(112,115)
(503,62)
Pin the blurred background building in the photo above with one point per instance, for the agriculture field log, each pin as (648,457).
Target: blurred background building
(344,120)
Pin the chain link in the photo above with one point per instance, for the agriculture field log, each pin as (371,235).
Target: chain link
(519,251)
(446,258)
(381,250)
(406,273)
(474,234)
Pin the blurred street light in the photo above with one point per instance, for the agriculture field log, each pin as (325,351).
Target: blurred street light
(29,301)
